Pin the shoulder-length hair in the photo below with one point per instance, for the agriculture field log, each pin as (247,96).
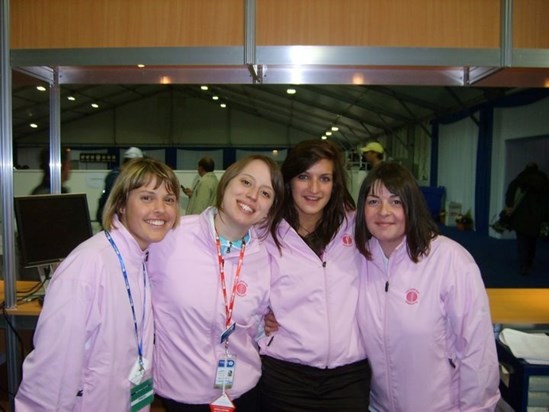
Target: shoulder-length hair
(135,174)
(276,181)
(301,158)
(420,226)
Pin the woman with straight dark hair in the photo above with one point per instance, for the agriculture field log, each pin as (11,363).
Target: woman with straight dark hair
(315,361)
(423,310)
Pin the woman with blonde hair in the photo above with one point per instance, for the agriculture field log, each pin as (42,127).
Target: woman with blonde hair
(94,338)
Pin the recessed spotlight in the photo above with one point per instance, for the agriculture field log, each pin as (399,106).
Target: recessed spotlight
(71,98)
(328,133)
(291,91)
(324,137)
(215,97)
(203,87)
(33,125)
(95,105)
(41,88)
(223,105)
(335,128)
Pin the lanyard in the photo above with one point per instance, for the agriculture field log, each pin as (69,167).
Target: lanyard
(229,305)
(130,298)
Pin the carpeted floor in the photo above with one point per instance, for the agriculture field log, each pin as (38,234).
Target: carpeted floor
(497,259)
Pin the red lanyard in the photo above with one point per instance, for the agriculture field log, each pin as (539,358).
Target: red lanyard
(229,306)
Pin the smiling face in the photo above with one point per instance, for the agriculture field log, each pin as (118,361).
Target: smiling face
(149,213)
(246,201)
(385,217)
(311,192)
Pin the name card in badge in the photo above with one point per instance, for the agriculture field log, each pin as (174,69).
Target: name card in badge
(222,404)
(224,375)
(141,395)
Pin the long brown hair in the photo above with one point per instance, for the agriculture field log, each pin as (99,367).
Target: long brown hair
(300,159)
(420,226)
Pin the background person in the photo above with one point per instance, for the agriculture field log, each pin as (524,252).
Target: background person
(90,338)
(203,193)
(423,309)
(44,188)
(372,154)
(131,153)
(527,204)
(209,275)
(316,360)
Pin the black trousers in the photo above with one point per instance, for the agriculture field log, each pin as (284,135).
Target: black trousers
(248,402)
(291,387)
(526,249)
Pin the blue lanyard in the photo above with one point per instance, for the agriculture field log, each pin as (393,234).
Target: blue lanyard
(125,274)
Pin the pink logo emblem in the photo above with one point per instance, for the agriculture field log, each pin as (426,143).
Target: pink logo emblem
(347,240)
(241,288)
(412,296)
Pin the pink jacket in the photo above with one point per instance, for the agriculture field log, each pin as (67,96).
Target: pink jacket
(314,300)
(190,311)
(428,331)
(85,339)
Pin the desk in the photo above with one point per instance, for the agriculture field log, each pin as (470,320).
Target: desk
(519,306)
(520,309)
(31,308)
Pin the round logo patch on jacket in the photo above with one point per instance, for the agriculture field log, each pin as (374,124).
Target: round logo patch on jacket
(347,240)
(412,296)
(241,288)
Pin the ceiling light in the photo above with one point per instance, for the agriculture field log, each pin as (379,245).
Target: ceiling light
(291,91)
(215,97)
(95,105)
(328,133)
(71,98)
(203,87)
(223,105)
(324,137)
(41,88)
(33,125)
(140,66)
(335,128)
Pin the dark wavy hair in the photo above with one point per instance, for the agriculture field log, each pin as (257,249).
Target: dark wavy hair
(420,226)
(300,159)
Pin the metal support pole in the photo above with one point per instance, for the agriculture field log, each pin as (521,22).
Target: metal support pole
(506,33)
(55,133)
(6,156)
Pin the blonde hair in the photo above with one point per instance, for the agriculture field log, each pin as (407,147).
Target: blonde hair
(135,174)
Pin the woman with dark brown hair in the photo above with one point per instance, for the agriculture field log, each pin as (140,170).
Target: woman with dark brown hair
(423,310)
(315,361)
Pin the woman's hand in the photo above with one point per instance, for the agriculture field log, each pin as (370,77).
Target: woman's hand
(271,325)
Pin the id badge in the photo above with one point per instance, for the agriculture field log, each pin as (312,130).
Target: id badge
(141,395)
(224,374)
(222,404)
(138,371)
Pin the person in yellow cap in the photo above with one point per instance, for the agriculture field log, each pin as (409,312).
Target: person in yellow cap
(372,154)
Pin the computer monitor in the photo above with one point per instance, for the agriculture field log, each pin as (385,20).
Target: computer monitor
(49,227)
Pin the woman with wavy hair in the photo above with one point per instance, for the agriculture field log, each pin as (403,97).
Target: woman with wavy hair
(315,361)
